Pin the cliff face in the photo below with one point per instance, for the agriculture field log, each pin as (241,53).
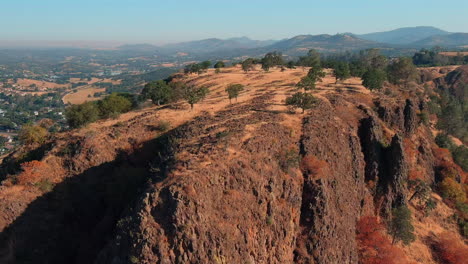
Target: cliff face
(228,199)
(242,183)
(333,196)
(455,82)
(240,203)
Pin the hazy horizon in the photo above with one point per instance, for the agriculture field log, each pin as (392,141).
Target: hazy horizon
(109,23)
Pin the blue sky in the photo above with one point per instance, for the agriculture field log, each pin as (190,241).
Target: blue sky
(163,21)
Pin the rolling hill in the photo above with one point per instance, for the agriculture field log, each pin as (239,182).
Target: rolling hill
(402,40)
(215,44)
(224,183)
(407,35)
(323,43)
(451,40)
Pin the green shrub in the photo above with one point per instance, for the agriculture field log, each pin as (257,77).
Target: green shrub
(401,227)
(443,140)
(45,185)
(301,100)
(451,189)
(233,91)
(374,79)
(424,117)
(113,105)
(222,134)
(429,206)
(32,134)
(163,126)
(460,156)
(81,115)
(288,159)
(463,224)
(158,91)
(194,94)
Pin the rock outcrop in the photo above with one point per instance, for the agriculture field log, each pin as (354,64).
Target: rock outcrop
(411,118)
(333,196)
(394,176)
(455,82)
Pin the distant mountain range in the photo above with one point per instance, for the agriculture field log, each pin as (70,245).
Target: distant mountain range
(215,44)
(404,36)
(202,46)
(450,40)
(410,39)
(324,43)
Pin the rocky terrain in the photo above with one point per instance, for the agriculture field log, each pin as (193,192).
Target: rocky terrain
(248,182)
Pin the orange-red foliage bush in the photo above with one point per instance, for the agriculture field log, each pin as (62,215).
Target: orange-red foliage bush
(33,171)
(446,166)
(410,149)
(313,166)
(415,174)
(450,250)
(374,247)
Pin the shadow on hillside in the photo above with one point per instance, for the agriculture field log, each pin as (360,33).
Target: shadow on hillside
(74,221)
(12,167)
(271,111)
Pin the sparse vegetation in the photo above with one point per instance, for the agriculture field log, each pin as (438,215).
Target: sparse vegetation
(33,134)
(374,79)
(450,250)
(32,172)
(197,68)
(434,57)
(341,71)
(309,82)
(194,94)
(288,159)
(401,227)
(163,126)
(45,185)
(452,190)
(311,60)
(459,154)
(421,191)
(272,59)
(248,64)
(158,91)
(373,246)
(222,134)
(402,71)
(233,91)
(451,112)
(218,65)
(301,100)
(111,106)
(81,115)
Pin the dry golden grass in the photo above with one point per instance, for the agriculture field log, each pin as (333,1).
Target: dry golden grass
(454,53)
(81,95)
(41,84)
(257,82)
(432,226)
